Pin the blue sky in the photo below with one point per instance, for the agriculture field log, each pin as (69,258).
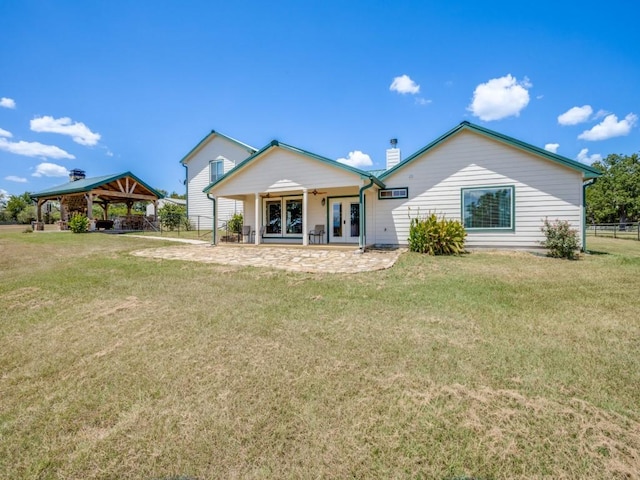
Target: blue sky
(111,86)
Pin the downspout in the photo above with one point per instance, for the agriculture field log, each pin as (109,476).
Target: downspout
(214,224)
(584,213)
(362,240)
(186,184)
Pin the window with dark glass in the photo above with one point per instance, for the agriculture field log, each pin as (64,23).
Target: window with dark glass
(294,216)
(487,207)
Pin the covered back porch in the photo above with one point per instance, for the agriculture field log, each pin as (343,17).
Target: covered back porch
(291,196)
(303,217)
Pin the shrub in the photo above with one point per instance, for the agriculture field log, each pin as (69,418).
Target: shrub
(172,215)
(79,223)
(235,223)
(561,240)
(436,236)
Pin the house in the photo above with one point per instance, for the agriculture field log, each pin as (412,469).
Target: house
(499,187)
(151,208)
(215,155)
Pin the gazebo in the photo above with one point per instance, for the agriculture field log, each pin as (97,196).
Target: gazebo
(80,194)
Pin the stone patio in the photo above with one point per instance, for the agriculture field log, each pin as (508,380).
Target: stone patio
(297,259)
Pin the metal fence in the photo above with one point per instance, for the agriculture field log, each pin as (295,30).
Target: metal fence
(615,230)
(200,226)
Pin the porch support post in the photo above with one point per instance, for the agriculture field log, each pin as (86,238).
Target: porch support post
(257,215)
(305,227)
(155,210)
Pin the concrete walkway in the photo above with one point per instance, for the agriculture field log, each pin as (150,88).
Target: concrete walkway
(297,259)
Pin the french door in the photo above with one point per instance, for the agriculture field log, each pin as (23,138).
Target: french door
(283,217)
(344,216)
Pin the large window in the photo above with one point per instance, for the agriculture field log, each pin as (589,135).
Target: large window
(488,208)
(217,170)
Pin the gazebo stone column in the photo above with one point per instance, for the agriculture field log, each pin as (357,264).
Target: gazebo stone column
(39,210)
(89,206)
(63,210)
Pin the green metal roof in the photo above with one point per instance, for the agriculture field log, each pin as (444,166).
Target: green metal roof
(587,171)
(212,134)
(276,143)
(88,184)
(376,173)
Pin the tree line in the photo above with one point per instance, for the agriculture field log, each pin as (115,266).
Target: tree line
(615,196)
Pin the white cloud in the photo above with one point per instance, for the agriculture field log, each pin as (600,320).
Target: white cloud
(575,115)
(357,159)
(78,131)
(5,133)
(33,149)
(7,102)
(552,147)
(50,170)
(403,84)
(13,178)
(610,127)
(584,156)
(422,101)
(500,98)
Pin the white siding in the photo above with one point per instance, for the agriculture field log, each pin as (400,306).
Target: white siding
(199,176)
(280,170)
(542,189)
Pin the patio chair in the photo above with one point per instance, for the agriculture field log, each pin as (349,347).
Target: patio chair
(246,232)
(317,232)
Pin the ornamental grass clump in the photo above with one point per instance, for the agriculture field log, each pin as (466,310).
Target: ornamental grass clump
(560,239)
(436,236)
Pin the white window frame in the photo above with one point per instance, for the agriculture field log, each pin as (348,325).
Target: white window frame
(486,189)
(213,164)
(283,216)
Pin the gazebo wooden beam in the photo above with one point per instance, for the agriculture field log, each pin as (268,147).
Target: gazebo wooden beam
(115,194)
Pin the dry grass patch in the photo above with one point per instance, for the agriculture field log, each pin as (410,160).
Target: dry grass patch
(491,366)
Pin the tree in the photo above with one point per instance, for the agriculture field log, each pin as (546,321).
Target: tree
(172,215)
(615,196)
(16,204)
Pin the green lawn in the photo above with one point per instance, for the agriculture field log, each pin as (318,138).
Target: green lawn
(490,365)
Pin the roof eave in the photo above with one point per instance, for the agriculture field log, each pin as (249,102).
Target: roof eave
(206,139)
(587,172)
